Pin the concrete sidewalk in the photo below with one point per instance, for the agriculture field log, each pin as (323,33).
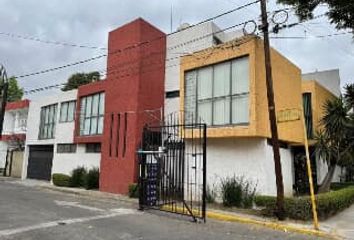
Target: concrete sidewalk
(343,223)
(76,191)
(333,228)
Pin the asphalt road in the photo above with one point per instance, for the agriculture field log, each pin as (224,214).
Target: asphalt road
(30,213)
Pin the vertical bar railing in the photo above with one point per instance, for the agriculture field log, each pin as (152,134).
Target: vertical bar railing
(204,171)
(174,180)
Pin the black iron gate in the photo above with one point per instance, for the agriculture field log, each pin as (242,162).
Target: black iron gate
(172,174)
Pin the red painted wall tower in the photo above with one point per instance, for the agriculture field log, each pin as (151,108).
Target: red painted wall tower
(134,91)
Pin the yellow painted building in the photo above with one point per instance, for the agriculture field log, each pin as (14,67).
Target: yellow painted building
(319,95)
(286,81)
(225,86)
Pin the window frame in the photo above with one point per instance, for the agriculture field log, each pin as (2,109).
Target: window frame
(67,111)
(230,96)
(99,114)
(308,114)
(47,112)
(172,94)
(94,148)
(72,148)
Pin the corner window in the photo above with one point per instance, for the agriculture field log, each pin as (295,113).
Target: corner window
(67,111)
(66,148)
(306,101)
(219,94)
(47,122)
(93,147)
(91,114)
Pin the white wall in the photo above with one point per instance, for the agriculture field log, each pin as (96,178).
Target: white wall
(64,133)
(287,162)
(13,121)
(248,157)
(12,125)
(9,123)
(322,169)
(3,151)
(66,162)
(175,50)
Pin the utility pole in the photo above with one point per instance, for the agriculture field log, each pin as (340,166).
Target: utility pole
(3,95)
(280,211)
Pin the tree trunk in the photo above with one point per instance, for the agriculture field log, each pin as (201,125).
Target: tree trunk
(326,183)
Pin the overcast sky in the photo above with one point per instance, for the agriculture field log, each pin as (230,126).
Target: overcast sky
(89,21)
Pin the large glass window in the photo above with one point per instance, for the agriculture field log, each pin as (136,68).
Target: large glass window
(47,122)
(91,116)
(67,111)
(219,94)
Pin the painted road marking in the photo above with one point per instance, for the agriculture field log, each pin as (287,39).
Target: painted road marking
(78,205)
(114,213)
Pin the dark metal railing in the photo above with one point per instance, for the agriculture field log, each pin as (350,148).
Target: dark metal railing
(172,169)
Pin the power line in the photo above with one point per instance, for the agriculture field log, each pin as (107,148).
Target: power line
(40,89)
(136,45)
(220,15)
(12,35)
(128,48)
(131,71)
(316,36)
(183,44)
(61,67)
(278,27)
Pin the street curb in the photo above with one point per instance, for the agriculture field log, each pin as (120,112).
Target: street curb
(272,225)
(90,193)
(209,214)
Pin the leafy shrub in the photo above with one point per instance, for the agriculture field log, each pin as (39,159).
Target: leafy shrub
(237,192)
(92,179)
(210,194)
(300,208)
(340,185)
(78,176)
(133,190)
(61,180)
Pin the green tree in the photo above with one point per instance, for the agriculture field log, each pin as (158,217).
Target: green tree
(14,92)
(340,12)
(79,79)
(335,143)
(349,94)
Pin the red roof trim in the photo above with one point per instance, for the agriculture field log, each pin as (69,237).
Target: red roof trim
(21,136)
(17,105)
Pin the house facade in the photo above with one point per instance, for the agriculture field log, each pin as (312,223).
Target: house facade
(317,87)
(50,146)
(13,137)
(100,124)
(225,86)
(198,72)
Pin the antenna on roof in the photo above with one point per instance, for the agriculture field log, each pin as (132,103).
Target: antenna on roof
(171,19)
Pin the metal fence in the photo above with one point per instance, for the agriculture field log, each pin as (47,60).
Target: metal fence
(172,174)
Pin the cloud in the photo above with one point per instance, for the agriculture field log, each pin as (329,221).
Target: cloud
(89,21)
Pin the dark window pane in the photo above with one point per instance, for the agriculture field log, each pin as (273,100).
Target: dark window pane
(172,94)
(93,147)
(91,116)
(66,148)
(306,99)
(47,122)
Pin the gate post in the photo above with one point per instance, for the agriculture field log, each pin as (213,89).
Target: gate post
(204,171)
(141,159)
